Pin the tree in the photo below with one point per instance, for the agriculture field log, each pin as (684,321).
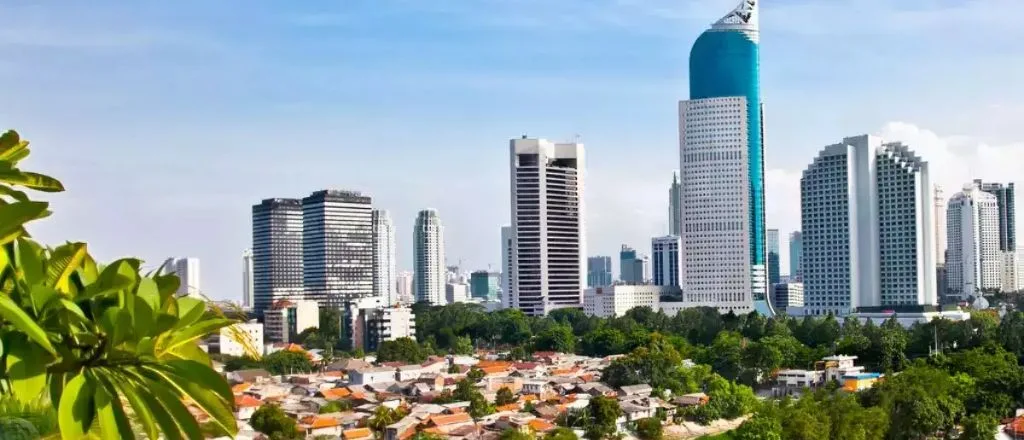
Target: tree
(382,417)
(504,397)
(980,427)
(604,412)
(518,353)
(515,434)
(561,433)
(726,355)
(463,345)
(330,327)
(604,342)
(759,427)
(649,429)
(287,362)
(272,421)
(241,363)
(475,374)
(558,338)
(94,338)
(401,350)
(336,406)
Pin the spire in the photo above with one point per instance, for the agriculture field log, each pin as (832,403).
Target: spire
(744,17)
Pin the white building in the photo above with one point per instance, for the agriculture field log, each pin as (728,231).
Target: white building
(239,340)
(867,228)
(456,292)
(286,319)
(403,288)
(788,296)
(667,265)
(384,257)
(395,322)
(508,274)
(616,300)
(547,216)
(187,270)
(428,257)
(337,247)
(973,262)
(366,376)
(247,281)
(940,241)
(1011,281)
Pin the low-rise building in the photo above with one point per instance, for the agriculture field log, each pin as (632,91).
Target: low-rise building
(370,375)
(286,319)
(242,339)
(788,296)
(616,300)
(800,378)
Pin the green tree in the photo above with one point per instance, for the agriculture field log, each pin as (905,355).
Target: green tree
(94,338)
(515,434)
(336,406)
(272,421)
(558,338)
(759,427)
(561,433)
(401,350)
(426,436)
(604,341)
(649,429)
(241,363)
(330,328)
(475,374)
(518,353)
(463,345)
(287,362)
(604,412)
(726,355)
(382,417)
(504,397)
(980,427)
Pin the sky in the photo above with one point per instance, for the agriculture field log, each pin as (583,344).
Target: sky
(166,121)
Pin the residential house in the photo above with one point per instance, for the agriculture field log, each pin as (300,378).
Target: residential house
(445,423)
(320,425)
(358,434)
(634,411)
(636,390)
(256,375)
(245,405)
(695,399)
(371,375)
(410,372)
(538,387)
(493,384)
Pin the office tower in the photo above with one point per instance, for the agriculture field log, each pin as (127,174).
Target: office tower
(1004,203)
(276,252)
(547,214)
(796,255)
(187,270)
(337,247)
(403,288)
(675,214)
(428,257)
(645,269)
(628,267)
(867,228)
(247,280)
(973,262)
(384,257)
(599,271)
(666,263)
(508,266)
(484,285)
(788,296)
(773,255)
(722,167)
(940,241)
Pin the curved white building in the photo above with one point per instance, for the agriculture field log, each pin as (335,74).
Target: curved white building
(384,281)
(974,262)
(428,258)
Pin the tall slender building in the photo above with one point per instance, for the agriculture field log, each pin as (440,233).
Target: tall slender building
(722,168)
(940,241)
(796,253)
(337,247)
(974,262)
(384,257)
(428,257)
(276,252)
(773,256)
(508,265)
(630,272)
(187,270)
(867,228)
(675,214)
(247,280)
(599,271)
(666,265)
(547,214)
(1004,204)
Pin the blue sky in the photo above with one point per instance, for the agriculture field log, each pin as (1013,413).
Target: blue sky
(168,120)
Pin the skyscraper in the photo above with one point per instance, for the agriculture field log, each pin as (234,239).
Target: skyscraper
(508,265)
(773,256)
(940,241)
(722,166)
(675,214)
(867,228)
(974,262)
(629,271)
(384,257)
(599,271)
(276,252)
(428,257)
(1004,203)
(247,280)
(666,266)
(547,214)
(187,270)
(796,255)
(403,288)
(337,247)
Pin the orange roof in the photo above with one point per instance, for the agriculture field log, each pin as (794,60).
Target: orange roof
(509,407)
(561,371)
(530,397)
(241,388)
(323,422)
(294,347)
(357,434)
(541,425)
(332,373)
(433,431)
(486,364)
(442,420)
(336,393)
(247,401)
(494,369)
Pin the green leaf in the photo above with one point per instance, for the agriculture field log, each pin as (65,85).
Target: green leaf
(145,347)
(30,263)
(117,276)
(142,318)
(143,412)
(190,334)
(23,323)
(26,369)
(167,285)
(13,216)
(10,145)
(13,193)
(64,261)
(190,310)
(41,295)
(34,181)
(205,387)
(172,403)
(76,411)
(112,419)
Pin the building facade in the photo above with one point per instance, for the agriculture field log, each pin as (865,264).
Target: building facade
(675,214)
(599,271)
(772,246)
(722,166)
(456,292)
(666,266)
(973,261)
(508,265)
(276,252)
(286,319)
(1007,217)
(547,213)
(616,300)
(247,280)
(796,252)
(630,270)
(403,288)
(367,325)
(337,247)
(940,241)
(867,228)
(187,270)
(485,285)
(242,339)
(788,296)
(384,271)
(428,258)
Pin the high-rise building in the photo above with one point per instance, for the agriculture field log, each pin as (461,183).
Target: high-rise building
(773,256)
(1011,272)
(337,247)
(508,265)
(187,270)
(1007,218)
(484,285)
(973,262)
(286,319)
(628,272)
(675,214)
(547,214)
(456,292)
(666,265)
(722,167)
(788,296)
(428,257)
(599,271)
(276,252)
(403,287)
(940,241)
(867,228)
(247,280)
(384,257)
(796,253)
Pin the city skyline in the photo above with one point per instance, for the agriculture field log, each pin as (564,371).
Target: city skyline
(620,68)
